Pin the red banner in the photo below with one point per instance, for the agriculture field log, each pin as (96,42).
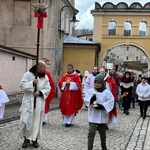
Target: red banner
(40,17)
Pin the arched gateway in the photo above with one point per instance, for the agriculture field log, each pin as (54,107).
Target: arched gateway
(122,25)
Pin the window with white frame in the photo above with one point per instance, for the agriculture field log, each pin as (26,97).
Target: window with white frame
(112,28)
(127,28)
(142,28)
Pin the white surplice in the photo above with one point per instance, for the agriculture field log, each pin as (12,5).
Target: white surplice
(106,99)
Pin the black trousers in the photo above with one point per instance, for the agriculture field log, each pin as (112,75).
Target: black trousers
(132,102)
(143,107)
(126,104)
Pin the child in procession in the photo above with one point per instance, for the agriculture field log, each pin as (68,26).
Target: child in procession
(100,102)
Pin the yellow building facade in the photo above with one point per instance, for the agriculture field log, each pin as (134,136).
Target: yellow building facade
(83,54)
(130,27)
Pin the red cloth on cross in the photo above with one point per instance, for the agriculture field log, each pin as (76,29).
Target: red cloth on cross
(40,17)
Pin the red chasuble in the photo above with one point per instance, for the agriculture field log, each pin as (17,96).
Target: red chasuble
(71,101)
(113,87)
(52,92)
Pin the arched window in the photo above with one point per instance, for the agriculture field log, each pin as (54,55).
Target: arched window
(127,28)
(112,28)
(142,28)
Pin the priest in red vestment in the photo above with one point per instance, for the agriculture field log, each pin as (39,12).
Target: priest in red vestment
(71,95)
(50,96)
(52,92)
(112,86)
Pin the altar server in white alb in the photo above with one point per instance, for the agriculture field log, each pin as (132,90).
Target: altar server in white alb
(31,118)
(100,102)
(3,99)
(89,83)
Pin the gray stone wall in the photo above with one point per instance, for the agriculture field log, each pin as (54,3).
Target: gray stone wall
(15,98)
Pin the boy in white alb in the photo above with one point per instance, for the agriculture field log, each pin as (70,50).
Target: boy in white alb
(3,99)
(100,102)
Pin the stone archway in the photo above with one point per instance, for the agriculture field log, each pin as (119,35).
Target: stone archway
(125,34)
(123,56)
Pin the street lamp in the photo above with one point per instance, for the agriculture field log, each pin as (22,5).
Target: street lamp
(74,20)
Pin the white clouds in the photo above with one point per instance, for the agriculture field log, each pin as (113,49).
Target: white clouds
(85,7)
(86,19)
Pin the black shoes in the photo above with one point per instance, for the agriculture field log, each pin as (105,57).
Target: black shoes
(25,143)
(44,123)
(127,113)
(144,116)
(35,144)
(67,125)
(107,127)
(104,148)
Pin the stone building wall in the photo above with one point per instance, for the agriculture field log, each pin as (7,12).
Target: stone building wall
(15,98)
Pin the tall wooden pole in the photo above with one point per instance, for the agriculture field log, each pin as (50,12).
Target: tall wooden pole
(37,59)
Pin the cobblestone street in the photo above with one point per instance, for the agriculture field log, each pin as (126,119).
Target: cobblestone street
(128,134)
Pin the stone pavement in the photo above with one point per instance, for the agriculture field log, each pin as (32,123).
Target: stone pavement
(12,110)
(130,133)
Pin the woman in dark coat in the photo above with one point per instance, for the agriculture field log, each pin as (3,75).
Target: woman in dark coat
(126,85)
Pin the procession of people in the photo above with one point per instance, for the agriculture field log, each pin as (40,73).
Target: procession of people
(103,89)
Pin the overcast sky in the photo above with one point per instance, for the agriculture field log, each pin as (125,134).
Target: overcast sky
(85,7)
